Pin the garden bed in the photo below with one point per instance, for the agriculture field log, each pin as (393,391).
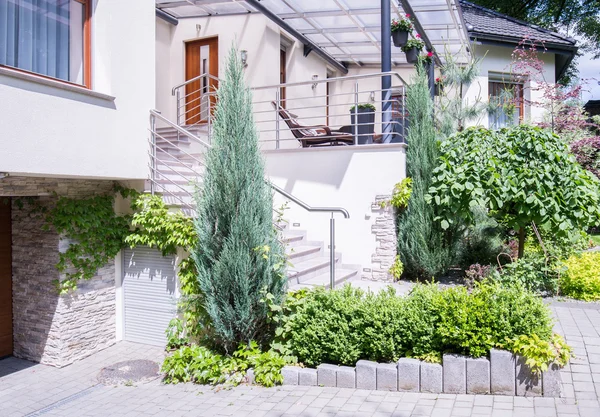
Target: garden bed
(502,374)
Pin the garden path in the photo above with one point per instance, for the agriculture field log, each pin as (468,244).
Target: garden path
(37,390)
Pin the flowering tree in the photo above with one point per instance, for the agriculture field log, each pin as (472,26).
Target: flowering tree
(565,114)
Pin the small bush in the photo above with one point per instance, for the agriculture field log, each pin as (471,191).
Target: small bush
(581,277)
(201,365)
(534,272)
(346,325)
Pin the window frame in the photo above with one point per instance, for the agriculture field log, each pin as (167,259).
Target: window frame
(503,83)
(87,52)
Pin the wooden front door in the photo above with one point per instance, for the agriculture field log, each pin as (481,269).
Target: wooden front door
(201,57)
(6,328)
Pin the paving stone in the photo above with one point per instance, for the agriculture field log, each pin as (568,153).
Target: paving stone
(431,377)
(455,374)
(290,375)
(528,382)
(551,381)
(478,376)
(326,375)
(502,372)
(366,375)
(387,377)
(409,375)
(346,377)
(307,377)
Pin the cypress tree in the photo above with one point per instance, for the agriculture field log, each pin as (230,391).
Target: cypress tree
(238,255)
(421,241)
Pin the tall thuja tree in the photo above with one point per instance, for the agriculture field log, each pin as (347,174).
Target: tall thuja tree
(238,255)
(421,241)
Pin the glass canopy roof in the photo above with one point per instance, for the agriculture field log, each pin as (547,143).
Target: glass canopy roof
(347,30)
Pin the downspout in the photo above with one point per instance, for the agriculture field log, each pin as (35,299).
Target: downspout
(386,66)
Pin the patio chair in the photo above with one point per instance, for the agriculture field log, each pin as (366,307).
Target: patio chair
(316,135)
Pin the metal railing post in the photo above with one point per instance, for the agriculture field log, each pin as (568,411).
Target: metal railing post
(332,252)
(356,113)
(177,99)
(153,153)
(278,102)
(209,119)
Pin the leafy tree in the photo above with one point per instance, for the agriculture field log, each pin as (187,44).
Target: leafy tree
(521,175)
(421,242)
(238,256)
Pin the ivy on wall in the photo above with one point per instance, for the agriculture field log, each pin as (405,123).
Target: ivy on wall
(95,233)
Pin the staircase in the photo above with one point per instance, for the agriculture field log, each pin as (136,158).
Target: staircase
(179,168)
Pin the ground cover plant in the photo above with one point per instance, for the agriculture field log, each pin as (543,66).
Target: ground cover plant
(345,325)
(580,276)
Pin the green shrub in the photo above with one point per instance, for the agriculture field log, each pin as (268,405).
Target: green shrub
(533,271)
(346,325)
(581,277)
(200,365)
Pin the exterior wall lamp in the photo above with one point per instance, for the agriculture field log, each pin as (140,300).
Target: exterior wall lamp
(315,78)
(244,57)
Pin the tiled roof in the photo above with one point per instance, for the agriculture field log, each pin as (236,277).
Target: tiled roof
(481,21)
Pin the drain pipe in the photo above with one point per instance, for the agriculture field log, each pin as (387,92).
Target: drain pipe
(386,66)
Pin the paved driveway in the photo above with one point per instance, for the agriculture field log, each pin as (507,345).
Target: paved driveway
(31,389)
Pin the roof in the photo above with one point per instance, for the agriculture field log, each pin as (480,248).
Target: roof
(484,23)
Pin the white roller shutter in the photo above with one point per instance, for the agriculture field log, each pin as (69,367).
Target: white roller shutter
(149,295)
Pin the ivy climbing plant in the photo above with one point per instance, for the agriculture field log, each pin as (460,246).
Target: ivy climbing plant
(95,232)
(156,226)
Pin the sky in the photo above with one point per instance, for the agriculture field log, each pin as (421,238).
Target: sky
(589,69)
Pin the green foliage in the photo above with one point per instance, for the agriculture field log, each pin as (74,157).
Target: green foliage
(96,234)
(239,255)
(397,268)
(521,175)
(154,225)
(541,353)
(483,240)
(401,194)
(175,335)
(534,272)
(363,106)
(200,365)
(413,44)
(581,276)
(452,109)
(425,250)
(345,325)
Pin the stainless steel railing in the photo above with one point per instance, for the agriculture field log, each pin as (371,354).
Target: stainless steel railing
(311,113)
(166,156)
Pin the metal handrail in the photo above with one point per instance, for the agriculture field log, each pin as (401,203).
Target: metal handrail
(328,80)
(306,206)
(179,129)
(191,80)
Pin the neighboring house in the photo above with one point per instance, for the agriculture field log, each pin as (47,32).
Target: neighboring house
(78,81)
(494,37)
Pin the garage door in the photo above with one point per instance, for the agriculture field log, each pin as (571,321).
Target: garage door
(148,295)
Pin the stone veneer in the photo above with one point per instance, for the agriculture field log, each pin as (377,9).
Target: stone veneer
(384,229)
(48,328)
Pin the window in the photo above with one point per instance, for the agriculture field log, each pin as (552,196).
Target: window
(506,99)
(47,37)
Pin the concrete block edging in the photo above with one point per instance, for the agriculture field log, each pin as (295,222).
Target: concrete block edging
(502,374)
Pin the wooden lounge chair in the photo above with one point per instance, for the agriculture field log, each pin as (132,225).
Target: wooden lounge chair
(316,135)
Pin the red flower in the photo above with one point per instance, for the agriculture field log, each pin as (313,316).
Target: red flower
(430,54)
(418,36)
(407,15)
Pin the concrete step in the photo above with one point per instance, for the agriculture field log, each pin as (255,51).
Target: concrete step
(304,270)
(341,276)
(302,253)
(293,238)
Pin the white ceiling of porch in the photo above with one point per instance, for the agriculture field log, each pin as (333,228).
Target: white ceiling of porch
(348,30)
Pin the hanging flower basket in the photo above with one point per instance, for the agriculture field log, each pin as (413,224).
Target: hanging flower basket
(399,37)
(439,86)
(412,49)
(401,28)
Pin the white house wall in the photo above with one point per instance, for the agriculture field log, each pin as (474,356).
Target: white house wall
(497,61)
(351,177)
(50,130)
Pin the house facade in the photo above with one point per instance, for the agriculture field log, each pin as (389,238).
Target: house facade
(90,100)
